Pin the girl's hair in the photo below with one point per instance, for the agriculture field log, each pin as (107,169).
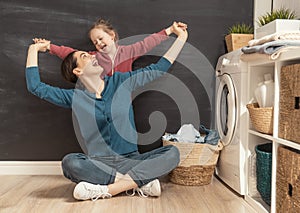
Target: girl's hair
(106,26)
(67,66)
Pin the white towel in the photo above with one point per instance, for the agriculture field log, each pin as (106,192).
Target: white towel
(289,35)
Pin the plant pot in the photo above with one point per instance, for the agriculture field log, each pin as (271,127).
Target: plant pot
(236,41)
(277,25)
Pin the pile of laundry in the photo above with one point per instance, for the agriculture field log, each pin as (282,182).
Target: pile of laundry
(188,133)
(274,44)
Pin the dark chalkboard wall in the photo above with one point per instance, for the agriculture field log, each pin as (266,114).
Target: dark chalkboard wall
(32,129)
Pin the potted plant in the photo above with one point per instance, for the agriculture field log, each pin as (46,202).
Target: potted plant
(238,36)
(282,19)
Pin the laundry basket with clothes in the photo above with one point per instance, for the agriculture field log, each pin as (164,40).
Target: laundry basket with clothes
(198,154)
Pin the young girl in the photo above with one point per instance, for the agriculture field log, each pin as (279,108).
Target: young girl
(111,163)
(111,56)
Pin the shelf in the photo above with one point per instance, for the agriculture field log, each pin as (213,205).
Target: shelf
(287,143)
(265,136)
(266,62)
(258,65)
(291,54)
(257,59)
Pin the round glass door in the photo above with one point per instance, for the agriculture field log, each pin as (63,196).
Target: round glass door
(226,109)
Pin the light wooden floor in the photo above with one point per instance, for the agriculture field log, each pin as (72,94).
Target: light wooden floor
(43,194)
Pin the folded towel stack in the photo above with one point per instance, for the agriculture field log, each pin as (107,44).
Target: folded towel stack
(274,44)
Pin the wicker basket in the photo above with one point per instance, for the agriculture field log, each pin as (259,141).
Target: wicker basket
(288,180)
(261,118)
(289,105)
(197,163)
(264,170)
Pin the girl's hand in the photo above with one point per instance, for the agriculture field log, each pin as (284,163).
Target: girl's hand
(42,41)
(41,46)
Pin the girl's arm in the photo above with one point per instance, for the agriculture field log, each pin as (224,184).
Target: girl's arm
(138,49)
(142,76)
(59,51)
(63,51)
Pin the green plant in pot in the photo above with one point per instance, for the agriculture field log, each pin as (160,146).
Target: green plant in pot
(238,36)
(279,20)
(282,13)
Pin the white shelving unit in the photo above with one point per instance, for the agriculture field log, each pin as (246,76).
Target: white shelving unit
(258,67)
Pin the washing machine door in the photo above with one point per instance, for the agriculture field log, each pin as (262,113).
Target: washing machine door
(226,114)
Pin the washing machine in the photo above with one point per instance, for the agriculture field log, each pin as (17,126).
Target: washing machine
(231,99)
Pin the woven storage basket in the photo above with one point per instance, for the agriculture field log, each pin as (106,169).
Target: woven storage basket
(261,118)
(289,104)
(288,180)
(197,163)
(264,171)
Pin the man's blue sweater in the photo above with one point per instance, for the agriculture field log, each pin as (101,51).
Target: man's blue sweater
(106,124)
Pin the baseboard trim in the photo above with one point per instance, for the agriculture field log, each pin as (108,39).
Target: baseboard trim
(30,168)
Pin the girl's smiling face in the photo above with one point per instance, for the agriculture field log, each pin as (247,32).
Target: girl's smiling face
(102,40)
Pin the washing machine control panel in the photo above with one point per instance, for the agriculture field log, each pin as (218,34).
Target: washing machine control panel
(225,61)
(229,63)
